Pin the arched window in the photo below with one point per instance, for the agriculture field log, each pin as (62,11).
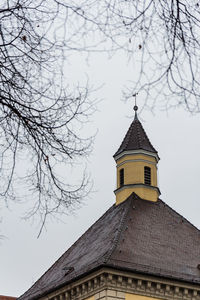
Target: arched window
(147,175)
(121,177)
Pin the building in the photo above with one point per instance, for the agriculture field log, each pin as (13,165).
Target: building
(7,298)
(139,249)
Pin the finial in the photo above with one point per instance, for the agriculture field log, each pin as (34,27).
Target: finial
(135,106)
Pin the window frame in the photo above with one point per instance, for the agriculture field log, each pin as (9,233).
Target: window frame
(121,177)
(147,175)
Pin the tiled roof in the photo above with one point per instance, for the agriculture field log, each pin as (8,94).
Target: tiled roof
(138,236)
(135,139)
(7,298)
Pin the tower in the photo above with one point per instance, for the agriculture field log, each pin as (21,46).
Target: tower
(136,164)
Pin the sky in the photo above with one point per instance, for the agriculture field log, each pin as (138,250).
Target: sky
(174,134)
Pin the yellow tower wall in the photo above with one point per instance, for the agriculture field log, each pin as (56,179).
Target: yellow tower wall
(146,193)
(133,166)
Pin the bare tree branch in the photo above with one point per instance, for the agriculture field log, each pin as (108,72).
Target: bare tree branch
(40,116)
(161,37)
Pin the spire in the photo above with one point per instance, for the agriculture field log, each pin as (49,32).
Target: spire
(136,138)
(135,108)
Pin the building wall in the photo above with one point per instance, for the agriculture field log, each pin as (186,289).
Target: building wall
(117,295)
(138,297)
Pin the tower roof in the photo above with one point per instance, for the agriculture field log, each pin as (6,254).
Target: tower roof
(135,139)
(136,235)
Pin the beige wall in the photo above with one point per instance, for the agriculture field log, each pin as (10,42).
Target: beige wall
(137,297)
(116,295)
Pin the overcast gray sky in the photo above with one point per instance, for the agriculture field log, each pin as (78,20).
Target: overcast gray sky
(175,134)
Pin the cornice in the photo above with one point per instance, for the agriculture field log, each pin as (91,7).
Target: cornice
(136,160)
(126,282)
(140,151)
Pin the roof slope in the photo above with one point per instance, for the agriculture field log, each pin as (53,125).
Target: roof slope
(7,297)
(135,139)
(137,235)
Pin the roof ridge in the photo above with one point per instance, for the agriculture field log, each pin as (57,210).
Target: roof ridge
(147,136)
(138,133)
(120,231)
